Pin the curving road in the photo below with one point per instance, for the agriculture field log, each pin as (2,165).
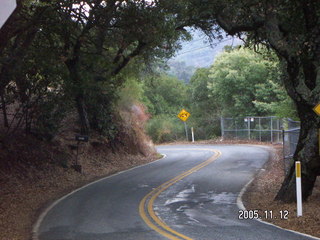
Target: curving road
(190,194)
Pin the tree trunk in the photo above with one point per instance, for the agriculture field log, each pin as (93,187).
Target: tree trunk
(307,153)
(72,65)
(83,115)
(4,112)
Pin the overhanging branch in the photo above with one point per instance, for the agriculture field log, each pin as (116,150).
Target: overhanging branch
(125,60)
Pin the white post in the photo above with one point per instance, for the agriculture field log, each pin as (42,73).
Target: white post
(298,187)
(192,134)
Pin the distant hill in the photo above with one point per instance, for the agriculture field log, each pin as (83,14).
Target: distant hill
(197,53)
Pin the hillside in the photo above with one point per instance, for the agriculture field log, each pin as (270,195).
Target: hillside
(197,53)
(34,172)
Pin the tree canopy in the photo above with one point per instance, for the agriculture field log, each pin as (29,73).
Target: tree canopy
(73,53)
(291,29)
(245,83)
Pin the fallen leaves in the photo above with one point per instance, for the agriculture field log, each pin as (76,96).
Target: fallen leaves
(261,193)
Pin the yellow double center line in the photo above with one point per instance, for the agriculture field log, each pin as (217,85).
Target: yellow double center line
(146,205)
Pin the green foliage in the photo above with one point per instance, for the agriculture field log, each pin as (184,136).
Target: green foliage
(244,83)
(205,127)
(132,91)
(48,117)
(79,51)
(204,110)
(241,82)
(100,104)
(167,94)
(198,88)
(286,109)
(164,97)
(165,128)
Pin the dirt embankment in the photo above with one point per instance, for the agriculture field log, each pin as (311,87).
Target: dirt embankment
(37,173)
(261,193)
(33,172)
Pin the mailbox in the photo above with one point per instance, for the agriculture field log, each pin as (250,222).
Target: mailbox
(82,138)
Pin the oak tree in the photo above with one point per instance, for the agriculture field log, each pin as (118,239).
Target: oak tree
(291,29)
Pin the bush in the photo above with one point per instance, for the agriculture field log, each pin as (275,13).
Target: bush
(165,128)
(205,127)
(48,115)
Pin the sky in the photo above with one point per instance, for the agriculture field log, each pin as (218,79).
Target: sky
(7,7)
(199,53)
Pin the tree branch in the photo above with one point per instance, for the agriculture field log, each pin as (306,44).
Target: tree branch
(233,28)
(125,61)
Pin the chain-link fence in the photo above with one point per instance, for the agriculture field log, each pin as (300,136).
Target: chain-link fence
(263,129)
(290,140)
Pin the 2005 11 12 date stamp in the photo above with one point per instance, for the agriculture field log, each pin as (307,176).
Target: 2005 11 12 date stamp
(263,214)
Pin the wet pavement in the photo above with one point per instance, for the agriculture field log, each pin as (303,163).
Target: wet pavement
(202,205)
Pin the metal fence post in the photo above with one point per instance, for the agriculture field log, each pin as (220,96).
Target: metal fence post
(271,130)
(278,130)
(284,153)
(222,127)
(246,129)
(236,128)
(260,129)
(249,134)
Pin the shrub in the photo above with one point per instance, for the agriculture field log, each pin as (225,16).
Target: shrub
(165,128)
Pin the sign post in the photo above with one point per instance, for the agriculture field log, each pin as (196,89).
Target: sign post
(184,115)
(79,139)
(298,187)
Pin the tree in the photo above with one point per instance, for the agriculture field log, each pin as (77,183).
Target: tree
(198,88)
(244,83)
(291,29)
(204,108)
(105,30)
(166,93)
(93,41)
(164,97)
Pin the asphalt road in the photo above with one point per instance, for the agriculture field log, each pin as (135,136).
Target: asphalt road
(190,194)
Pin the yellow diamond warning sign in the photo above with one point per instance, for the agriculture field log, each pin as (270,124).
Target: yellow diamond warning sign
(316,109)
(183,115)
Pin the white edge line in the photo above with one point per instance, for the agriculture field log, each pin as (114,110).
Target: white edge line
(36,226)
(242,207)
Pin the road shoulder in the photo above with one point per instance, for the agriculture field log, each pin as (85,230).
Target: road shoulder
(261,192)
(23,200)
